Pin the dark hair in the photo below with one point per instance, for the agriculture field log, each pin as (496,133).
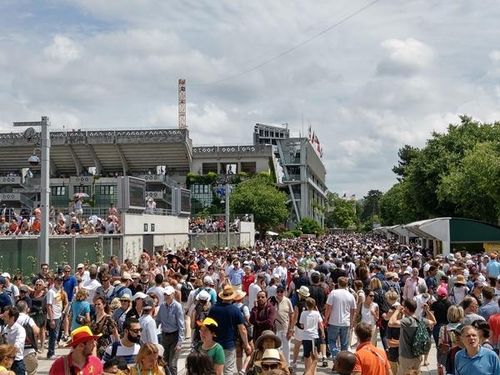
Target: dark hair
(482,326)
(345,362)
(411,305)
(363,332)
(198,363)
(467,301)
(128,323)
(488,292)
(158,278)
(13,311)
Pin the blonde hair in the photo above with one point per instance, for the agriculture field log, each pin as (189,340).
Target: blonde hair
(375,284)
(81,295)
(7,350)
(146,349)
(392,297)
(455,314)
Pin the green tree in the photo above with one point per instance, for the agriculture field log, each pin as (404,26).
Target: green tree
(341,212)
(259,196)
(406,154)
(309,226)
(393,206)
(474,185)
(371,205)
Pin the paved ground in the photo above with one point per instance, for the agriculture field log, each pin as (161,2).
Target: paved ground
(44,364)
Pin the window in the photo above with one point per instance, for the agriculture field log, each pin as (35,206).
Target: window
(58,191)
(82,189)
(107,190)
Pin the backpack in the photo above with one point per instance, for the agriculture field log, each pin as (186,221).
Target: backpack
(30,341)
(448,340)
(186,288)
(421,342)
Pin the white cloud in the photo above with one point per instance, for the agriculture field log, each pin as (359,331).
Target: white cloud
(405,57)
(62,50)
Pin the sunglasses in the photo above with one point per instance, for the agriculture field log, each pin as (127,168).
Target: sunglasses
(138,330)
(271,366)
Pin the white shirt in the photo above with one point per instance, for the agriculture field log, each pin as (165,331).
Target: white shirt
(91,286)
(310,319)
(22,320)
(54,298)
(149,331)
(341,302)
(16,335)
(253,290)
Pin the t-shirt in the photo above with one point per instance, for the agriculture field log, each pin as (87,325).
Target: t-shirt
(228,317)
(93,366)
(407,334)
(342,302)
(127,353)
(283,311)
(485,362)
(216,353)
(54,298)
(371,360)
(69,286)
(78,308)
(310,320)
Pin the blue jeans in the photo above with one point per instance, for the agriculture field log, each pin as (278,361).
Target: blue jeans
(333,334)
(53,333)
(18,367)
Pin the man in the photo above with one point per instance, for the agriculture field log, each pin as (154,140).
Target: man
(24,295)
(70,283)
(339,313)
(43,274)
(262,316)
(284,315)
(408,326)
(235,275)
(14,334)
(11,290)
(128,346)
(319,294)
(171,319)
(410,289)
(91,285)
(82,273)
(4,297)
(489,306)
(230,323)
(148,323)
(475,359)
(55,297)
(370,360)
(32,334)
(157,289)
(471,308)
(255,288)
(106,289)
(493,269)
(80,360)
(344,363)
(123,288)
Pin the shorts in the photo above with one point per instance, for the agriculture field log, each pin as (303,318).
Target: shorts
(299,333)
(310,346)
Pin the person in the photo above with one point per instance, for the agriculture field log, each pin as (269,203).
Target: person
(5,300)
(300,307)
(106,289)
(370,313)
(339,313)
(489,306)
(32,333)
(474,359)
(312,325)
(411,284)
(230,323)
(408,326)
(213,349)
(483,330)
(14,334)
(171,319)
(344,363)
(370,360)
(284,316)
(104,326)
(263,315)
(440,310)
(471,308)
(36,311)
(198,313)
(146,361)
(271,360)
(199,363)
(447,337)
(80,359)
(80,310)
(268,340)
(392,332)
(148,323)
(128,346)
(238,302)
(120,314)
(7,356)
(494,323)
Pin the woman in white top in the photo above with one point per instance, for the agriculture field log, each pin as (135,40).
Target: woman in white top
(370,314)
(312,325)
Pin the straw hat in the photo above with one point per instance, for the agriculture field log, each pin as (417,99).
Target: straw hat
(227,294)
(304,291)
(270,356)
(460,280)
(268,334)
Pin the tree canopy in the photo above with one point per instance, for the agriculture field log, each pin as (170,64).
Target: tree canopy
(260,197)
(341,212)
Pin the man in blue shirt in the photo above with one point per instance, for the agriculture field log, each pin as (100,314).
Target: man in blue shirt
(69,282)
(171,319)
(231,323)
(493,269)
(235,274)
(475,359)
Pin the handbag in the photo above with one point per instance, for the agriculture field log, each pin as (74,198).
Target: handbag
(81,319)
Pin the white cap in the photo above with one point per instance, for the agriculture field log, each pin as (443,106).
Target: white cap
(6,275)
(207,280)
(80,265)
(169,290)
(203,296)
(139,295)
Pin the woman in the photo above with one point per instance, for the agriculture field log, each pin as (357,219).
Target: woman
(7,356)
(370,313)
(198,314)
(198,363)
(268,340)
(80,310)
(376,286)
(120,313)
(447,337)
(103,325)
(146,362)
(312,324)
(36,311)
(214,350)
(483,331)
(392,332)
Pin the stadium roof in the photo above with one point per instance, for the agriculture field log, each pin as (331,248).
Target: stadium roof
(126,151)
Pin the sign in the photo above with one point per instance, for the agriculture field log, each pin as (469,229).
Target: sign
(10,180)
(10,197)
(29,123)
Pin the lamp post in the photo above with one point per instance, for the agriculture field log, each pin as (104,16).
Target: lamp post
(228,242)
(43,244)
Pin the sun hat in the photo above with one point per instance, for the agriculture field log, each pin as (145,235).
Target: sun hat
(6,275)
(207,322)
(304,291)
(139,295)
(169,290)
(239,295)
(161,350)
(80,335)
(227,294)
(268,334)
(269,356)
(203,296)
(126,276)
(207,280)
(460,280)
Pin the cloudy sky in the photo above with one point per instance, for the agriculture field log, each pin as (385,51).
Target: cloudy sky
(368,78)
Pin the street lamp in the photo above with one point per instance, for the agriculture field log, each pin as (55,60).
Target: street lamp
(226,180)
(43,245)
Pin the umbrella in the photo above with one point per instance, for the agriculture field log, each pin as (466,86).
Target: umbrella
(80,195)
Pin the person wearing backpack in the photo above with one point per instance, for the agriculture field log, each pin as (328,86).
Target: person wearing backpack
(414,340)
(30,343)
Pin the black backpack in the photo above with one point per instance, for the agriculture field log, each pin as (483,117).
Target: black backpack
(30,341)
(186,288)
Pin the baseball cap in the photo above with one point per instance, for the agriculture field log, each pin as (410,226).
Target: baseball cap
(80,265)
(148,303)
(169,290)
(203,296)
(139,295)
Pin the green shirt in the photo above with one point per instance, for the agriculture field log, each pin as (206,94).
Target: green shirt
(216,353)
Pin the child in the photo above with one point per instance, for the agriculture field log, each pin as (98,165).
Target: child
(312,325)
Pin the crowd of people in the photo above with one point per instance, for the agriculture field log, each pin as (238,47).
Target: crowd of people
(212,224)
(28,222)
(360,304)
